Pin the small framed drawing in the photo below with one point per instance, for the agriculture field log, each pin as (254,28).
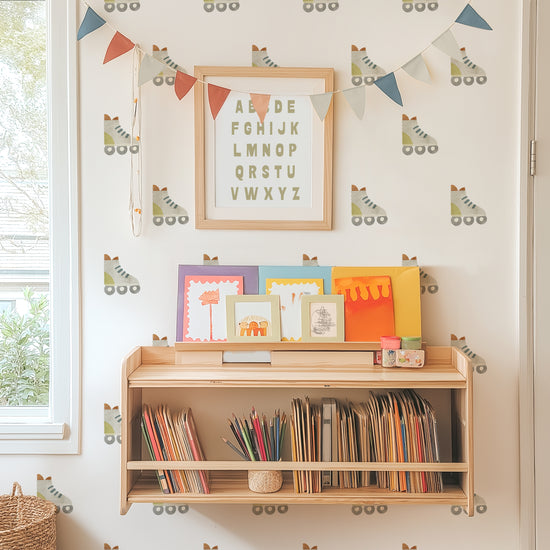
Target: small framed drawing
(253,318)
(323,318)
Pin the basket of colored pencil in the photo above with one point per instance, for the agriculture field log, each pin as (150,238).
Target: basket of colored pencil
(259,439)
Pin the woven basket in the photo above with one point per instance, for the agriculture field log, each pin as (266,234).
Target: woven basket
(26,522)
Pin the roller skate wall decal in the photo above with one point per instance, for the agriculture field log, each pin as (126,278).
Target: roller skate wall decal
(418,5)
(363,69)
(407,547)
(115,138)
(120,5)
(310,262)
(160,508)
(465,70)
(308,547)
(220,5)
(112,421)
(167,210)
(46,491)
(168,75)
(160,342)
(480,506)
(319,5)
(207,260)
(369,509)
(363,209)
(208,547)
(464,210)
(115,278)
(269,509)
(260,58)
(478,363)
(427,282)
(415,139)
(108,547)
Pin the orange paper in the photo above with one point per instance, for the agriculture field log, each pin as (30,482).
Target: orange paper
(368,307)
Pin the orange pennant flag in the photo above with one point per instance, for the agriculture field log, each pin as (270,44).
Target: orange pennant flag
(119,45)
(216,97)
(184,82)
(261,103)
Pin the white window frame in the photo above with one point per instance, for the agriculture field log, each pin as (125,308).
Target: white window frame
(57,430)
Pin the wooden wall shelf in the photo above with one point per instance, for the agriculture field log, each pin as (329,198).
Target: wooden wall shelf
(194,365)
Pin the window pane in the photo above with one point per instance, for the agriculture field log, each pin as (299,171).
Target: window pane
(24,218)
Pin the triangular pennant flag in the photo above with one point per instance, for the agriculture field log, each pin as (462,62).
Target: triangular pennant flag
(183,84)
(149,68)
(261,103)
(321,104)
(417,68)
(356,99)
(90,23)
(470,17)
(447,44)
(388,85)
(216,97)
(119,45)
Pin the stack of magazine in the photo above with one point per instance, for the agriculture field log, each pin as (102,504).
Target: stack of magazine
(174,437)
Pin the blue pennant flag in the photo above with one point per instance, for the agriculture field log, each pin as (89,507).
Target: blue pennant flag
(388,85)
(470,17)
(90,23)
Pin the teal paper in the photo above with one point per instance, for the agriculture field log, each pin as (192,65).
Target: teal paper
(90,23)
(294,272)
(388,85)
(470,17)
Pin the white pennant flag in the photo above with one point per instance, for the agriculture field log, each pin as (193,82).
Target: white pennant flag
(448,44)
(356,99)
(149,68)
(417,68)
(321,103)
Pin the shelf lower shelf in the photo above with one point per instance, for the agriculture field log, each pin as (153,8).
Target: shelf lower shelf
(232,487)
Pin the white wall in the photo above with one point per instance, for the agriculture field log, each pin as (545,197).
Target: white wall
(477,130)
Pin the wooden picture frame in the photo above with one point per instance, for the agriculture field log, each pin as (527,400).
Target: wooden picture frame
(271,175)
(316,329)
(253,310)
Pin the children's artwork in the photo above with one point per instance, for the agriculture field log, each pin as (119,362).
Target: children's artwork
(253,319)
(368,306)
(249,275)
(204,306)
(293,272)
(290,292)
(405,284)
(323,318)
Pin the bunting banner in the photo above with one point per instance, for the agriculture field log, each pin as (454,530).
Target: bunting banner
(184,82)
(261,104)
(321,103)
(118,46)
(149,68)
(470,17)
(388,85)
(90,23)
(447,44)
(356,99)
(216,98)
(418,69)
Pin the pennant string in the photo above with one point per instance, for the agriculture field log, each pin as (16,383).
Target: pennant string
(247,92)
(136,189)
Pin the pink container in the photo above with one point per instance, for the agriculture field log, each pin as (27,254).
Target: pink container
(390,342)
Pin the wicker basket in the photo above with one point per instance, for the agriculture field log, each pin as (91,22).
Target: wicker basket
(26,522)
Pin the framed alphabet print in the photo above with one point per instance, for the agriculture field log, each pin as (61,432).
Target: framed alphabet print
(323,318)
(258,168)
(253,318)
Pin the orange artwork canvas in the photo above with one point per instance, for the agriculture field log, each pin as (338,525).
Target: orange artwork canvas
(368,307)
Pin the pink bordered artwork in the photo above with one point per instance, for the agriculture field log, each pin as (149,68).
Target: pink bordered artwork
(204,318)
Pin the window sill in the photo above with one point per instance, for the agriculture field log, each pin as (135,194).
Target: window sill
(25,430)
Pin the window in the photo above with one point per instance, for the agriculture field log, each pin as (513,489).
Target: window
(39,290)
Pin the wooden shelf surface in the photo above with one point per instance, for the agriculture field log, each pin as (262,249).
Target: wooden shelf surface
(258,375)
(236,465)
(232,487)
(277,346)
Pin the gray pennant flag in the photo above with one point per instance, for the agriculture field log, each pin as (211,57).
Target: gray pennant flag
(356,99)
(321,103)
(149,68)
